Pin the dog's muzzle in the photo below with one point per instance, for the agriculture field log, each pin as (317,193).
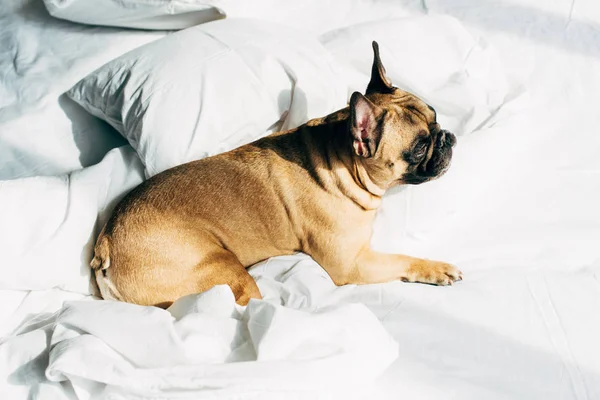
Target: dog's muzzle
(438,163)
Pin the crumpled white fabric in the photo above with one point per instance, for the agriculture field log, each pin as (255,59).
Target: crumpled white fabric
(205,347)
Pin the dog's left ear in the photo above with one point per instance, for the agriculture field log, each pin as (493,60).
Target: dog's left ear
(363,125)
(379,82)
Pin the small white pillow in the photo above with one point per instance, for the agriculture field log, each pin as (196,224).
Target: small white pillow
(211,88)
(139,14)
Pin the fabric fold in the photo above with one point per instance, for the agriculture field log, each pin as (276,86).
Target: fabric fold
(207,344)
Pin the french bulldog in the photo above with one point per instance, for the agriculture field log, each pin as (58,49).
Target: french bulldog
(313,189)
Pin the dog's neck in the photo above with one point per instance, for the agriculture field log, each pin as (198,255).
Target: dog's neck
(331,134)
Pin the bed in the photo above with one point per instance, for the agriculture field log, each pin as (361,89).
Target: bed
(517,212)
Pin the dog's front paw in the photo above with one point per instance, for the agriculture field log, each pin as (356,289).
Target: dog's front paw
(432,272)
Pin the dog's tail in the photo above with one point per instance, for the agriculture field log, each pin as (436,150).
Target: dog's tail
(100,265)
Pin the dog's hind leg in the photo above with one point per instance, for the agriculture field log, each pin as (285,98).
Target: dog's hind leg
(162,284)
(223,268)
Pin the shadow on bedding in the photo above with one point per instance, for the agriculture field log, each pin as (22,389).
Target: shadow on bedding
(92,136)
(483,363)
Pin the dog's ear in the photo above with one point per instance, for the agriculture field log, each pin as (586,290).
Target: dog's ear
(364,126)
(379,82)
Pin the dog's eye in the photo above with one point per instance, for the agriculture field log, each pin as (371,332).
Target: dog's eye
(420,150)
(417,153)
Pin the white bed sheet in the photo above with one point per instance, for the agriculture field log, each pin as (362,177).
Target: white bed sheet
(518,212)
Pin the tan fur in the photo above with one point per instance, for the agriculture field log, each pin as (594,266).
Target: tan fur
(313,189)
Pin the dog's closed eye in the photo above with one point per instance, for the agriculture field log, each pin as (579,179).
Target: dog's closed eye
(420,150)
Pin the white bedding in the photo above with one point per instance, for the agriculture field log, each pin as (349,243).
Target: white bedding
(517,212)
(42,131)
(203,347)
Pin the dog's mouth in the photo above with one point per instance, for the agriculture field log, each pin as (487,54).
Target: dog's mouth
(435,165)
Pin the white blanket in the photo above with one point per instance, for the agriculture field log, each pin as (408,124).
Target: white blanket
(203,347)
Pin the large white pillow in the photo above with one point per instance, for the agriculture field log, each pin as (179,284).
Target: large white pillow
(211,88)
(144,14)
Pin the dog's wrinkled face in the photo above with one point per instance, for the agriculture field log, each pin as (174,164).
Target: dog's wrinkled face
(395,134)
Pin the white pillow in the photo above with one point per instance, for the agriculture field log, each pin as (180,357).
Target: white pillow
(211,88)
(140,14)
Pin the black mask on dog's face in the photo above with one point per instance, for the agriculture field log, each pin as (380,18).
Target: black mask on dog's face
(429,157)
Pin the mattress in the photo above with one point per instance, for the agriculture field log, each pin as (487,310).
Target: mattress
(517,212)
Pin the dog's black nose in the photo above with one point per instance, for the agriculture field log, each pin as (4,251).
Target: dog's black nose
(445,137)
